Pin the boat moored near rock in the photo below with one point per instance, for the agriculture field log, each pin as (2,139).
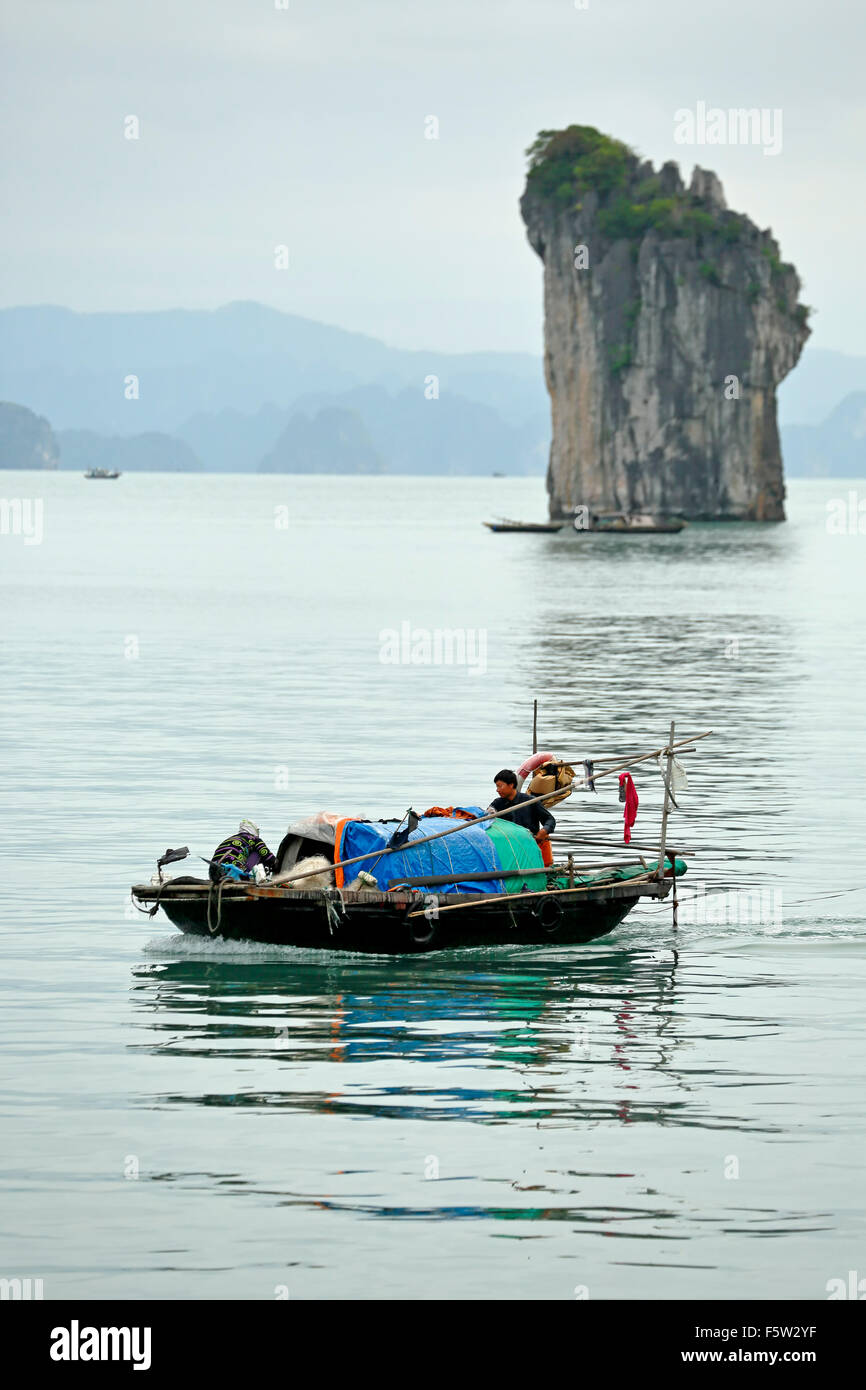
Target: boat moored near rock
(626,523)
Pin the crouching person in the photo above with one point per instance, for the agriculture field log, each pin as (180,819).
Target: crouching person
(238,856)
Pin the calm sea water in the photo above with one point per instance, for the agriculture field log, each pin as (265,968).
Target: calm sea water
(663,1114)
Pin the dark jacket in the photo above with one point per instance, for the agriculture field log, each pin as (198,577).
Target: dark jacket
(530,817)
(244,850)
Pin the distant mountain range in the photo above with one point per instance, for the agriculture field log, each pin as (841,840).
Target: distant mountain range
(836,448)
(151,452)
(26,440)
(246,388)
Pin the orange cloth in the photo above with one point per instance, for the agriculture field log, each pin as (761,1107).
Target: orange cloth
(546,853)
(339,878)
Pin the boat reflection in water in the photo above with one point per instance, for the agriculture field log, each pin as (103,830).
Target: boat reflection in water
(546,1040)
(550,1097)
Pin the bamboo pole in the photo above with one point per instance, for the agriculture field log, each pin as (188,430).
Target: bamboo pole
(644,757)
(633,847)
(617,758)
(488,815)
(675,900)
(667,797)
(498,900)
(535,726)
(443,880)
(599,864)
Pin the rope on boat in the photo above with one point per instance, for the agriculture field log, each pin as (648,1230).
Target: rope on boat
(147,911)
(219,905)
(837,894)
(332,916)
(726,893)
(423,938)
(151,911)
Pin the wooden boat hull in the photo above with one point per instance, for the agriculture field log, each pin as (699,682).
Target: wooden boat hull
(380,923)
(669,528)
(618,524)
(539,527)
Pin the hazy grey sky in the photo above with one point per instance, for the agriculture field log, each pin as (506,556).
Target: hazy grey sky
(305,126)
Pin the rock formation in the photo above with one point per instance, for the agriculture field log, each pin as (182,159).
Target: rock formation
(26,439)
(669,323)
(333,441)
(150,452)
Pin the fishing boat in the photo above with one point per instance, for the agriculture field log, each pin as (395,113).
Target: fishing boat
(454,877)
(626,523)
(505,524)
(102,473)
(406,920)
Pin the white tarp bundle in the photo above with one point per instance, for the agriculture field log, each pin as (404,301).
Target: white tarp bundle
(321,826)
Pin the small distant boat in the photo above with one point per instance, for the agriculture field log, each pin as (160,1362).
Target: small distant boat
(102,473)
(504,524)
(628,523)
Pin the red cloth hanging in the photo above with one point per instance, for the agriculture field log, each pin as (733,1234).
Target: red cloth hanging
(630,797)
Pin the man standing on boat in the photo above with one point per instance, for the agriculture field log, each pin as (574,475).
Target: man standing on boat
(238,856)
(535,818)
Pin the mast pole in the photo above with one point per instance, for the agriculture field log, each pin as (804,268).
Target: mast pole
(670,752)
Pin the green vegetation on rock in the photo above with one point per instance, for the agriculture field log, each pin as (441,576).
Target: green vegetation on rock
(632,201)
(710,272)
(566,164)
(621,357)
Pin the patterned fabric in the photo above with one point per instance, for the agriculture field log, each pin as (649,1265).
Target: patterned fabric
(244,851)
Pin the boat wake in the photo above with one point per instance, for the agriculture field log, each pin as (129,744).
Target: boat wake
(184,946)
(188,947)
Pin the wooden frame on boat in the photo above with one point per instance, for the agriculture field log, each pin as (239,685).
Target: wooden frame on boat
(505,524)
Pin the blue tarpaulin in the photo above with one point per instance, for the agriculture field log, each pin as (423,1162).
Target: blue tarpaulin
(470,851)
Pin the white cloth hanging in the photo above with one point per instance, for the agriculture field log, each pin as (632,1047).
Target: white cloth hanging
(679,780)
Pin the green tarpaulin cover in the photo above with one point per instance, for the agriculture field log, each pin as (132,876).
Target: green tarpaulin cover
(619,875)
(519,856)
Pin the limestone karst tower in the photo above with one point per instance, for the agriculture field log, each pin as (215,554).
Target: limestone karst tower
(669,322)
